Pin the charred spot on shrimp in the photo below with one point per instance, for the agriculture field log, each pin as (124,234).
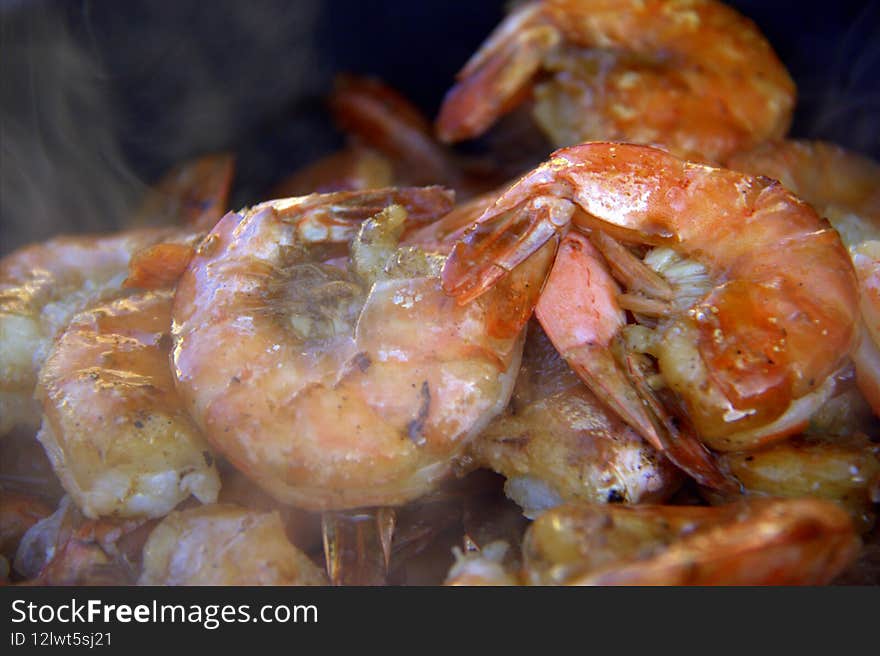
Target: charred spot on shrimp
(415,427)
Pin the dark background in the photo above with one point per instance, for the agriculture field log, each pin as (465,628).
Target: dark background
(100,97)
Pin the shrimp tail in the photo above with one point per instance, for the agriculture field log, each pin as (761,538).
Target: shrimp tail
(158,266)
(498,76)
(679,441)
(581,315)
(381,118)
(495,245)
(195,193)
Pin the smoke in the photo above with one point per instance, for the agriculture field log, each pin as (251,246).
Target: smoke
(845,105)
(61,168)
(100,98)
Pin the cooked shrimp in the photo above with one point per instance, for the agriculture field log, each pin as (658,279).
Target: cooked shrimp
(349,169)
(114,426)
(844,187)
(345,388)
(441,235)
(694,76)
(557,443)
(41,287)
(752,313)
(223,544)
(372,113)
(844,470)
(193,194)
(761,542)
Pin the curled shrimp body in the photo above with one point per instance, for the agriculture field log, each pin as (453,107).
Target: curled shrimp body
(745,332)
(224,544)
(844,187)
(344,387)
(695,76)
(761,542)
(114,427)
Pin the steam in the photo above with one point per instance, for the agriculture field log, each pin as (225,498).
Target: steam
(846,103)
(61,169)
(100,99)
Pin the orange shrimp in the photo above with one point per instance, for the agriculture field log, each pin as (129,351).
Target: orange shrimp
(760,542)
(375,115)
(193,193)
(114,426)
(695,76)
(844,187)
(43,285)
(841,469)
(224,544)
(345,388)
(746,335)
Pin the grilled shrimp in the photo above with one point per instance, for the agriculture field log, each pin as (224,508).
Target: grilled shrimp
(43,285)
(389,144)
(841,469)
(224,544)
(114,426)
(694,76)
(844,187)
(759,542)
(374,115)
(338,388)
(752,312)
(557,443)
(349,169)
(192,194)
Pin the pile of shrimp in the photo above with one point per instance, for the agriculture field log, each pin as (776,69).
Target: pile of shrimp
(647,357)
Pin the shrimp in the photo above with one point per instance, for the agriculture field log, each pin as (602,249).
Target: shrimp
(344,389)
(41,287)
(844,470)
(349,169)
(375,115)
(844,187)
(760,542)
(193,194)
(114,427)
(694,76)
(224,544)
(556,442)
(754,313)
